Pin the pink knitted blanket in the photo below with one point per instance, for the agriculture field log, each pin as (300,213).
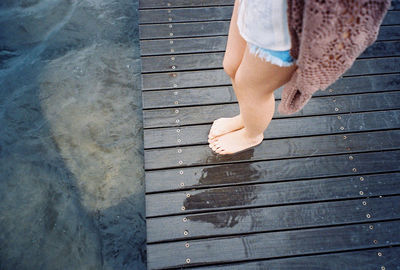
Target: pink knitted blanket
(327,36)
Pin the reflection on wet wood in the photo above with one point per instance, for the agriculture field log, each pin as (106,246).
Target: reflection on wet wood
(324,180)
(272,171)
(263,219)
(264,245)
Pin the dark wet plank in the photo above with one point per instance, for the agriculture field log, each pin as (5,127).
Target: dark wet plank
(358,260)
(270,194)
(272,171)
(221,13)
(214,60)
(182,3)
(225,94)
(315,106)
(191,29)
(277,218)
(264,245)
(218,43)
(182,79)
(286,127)
(275,149)
(214,28)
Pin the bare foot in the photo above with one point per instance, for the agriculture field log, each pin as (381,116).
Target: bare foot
(234,142)
(225,125)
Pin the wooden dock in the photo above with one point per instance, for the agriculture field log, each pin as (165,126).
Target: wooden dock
(322,191)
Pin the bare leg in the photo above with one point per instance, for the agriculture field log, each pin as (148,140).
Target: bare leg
(255,82)
(235,47)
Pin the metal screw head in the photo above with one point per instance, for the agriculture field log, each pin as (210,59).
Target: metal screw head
(339,117)
(171,34)
(187,260)
(375,241)
(361,178)
(178,130)
(336,109)
(176,102)
(371,227)
(169,11)
(170,19)
(341,128)
(173,67)
(364,203)
(170,26)
(185,232)
(179,151)
(383,267)
(187,244)
(173,57)
(177,121)
(351,157)
(361,193)
(354,169)
(181,172)
(175,93)
(183,208)
(330,90)
(176,111)
(368,215)
(344,137)
(180,162)
(173,75)
(171,42)
(379,254)
(178,140)
(182,184)
(188,195)
(184,219)
(175,85)
(169,4)
(172,50)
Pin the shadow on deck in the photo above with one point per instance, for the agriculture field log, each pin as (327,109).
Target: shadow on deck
(321,192)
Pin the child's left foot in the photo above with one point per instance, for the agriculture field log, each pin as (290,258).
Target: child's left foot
(234,142)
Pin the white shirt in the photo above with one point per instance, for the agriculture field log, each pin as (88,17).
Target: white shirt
(264,23)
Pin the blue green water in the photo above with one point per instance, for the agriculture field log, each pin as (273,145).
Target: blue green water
(71,147)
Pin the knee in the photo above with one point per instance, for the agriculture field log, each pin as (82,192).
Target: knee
(229,67)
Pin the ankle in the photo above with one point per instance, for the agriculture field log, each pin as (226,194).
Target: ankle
(251,135)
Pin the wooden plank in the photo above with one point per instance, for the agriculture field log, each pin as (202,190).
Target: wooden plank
(182,79)
(278,218)
(264,245)
(184,62)
(356,260)
(216,28)
(395,5)
(225,94)
(270,194)
(182,3)
(278,128)
(218,43)
(272,171)
(221,13)
(316,106)
(275,149)
(190,29)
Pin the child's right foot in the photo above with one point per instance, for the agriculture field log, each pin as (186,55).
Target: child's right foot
(225,125)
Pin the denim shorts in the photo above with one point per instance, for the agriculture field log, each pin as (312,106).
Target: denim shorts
(280,58)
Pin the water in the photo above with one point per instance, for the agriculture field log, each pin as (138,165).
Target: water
(71,146)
